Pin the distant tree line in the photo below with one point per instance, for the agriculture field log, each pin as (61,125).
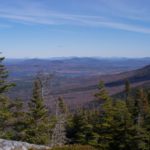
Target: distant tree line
(116,124)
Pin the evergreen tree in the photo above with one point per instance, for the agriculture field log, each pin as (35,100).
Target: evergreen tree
(121,127)
(127,92)
(19,123)
(4,84)
(5,113)
(140,113)
(62,106)
(80,131)
(102,94)
(5,118)
(104,126)
(38,129)
(144,102)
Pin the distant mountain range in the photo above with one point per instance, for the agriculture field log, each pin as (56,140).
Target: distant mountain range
(76,79)
(72,67)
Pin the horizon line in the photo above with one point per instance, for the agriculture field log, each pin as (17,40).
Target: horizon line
(70,57)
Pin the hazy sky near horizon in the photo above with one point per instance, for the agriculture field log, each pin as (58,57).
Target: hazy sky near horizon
(56,28)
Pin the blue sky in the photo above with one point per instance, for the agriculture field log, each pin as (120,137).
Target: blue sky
(56,28)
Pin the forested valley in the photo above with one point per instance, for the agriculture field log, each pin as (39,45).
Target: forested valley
(111,123)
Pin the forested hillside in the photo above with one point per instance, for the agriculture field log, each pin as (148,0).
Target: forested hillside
(109,124)
(75,79)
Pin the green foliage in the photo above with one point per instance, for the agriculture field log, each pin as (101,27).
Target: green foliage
(38,120)
(127,87)
(79,130)
(102,94)
(19,123)
(118,125)
(5,113)
(62,106)
(5,118)
(4,84)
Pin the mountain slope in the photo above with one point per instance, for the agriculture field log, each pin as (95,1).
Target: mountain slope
(80,90)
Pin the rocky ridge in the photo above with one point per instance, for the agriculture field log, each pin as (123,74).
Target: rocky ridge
(15,145)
